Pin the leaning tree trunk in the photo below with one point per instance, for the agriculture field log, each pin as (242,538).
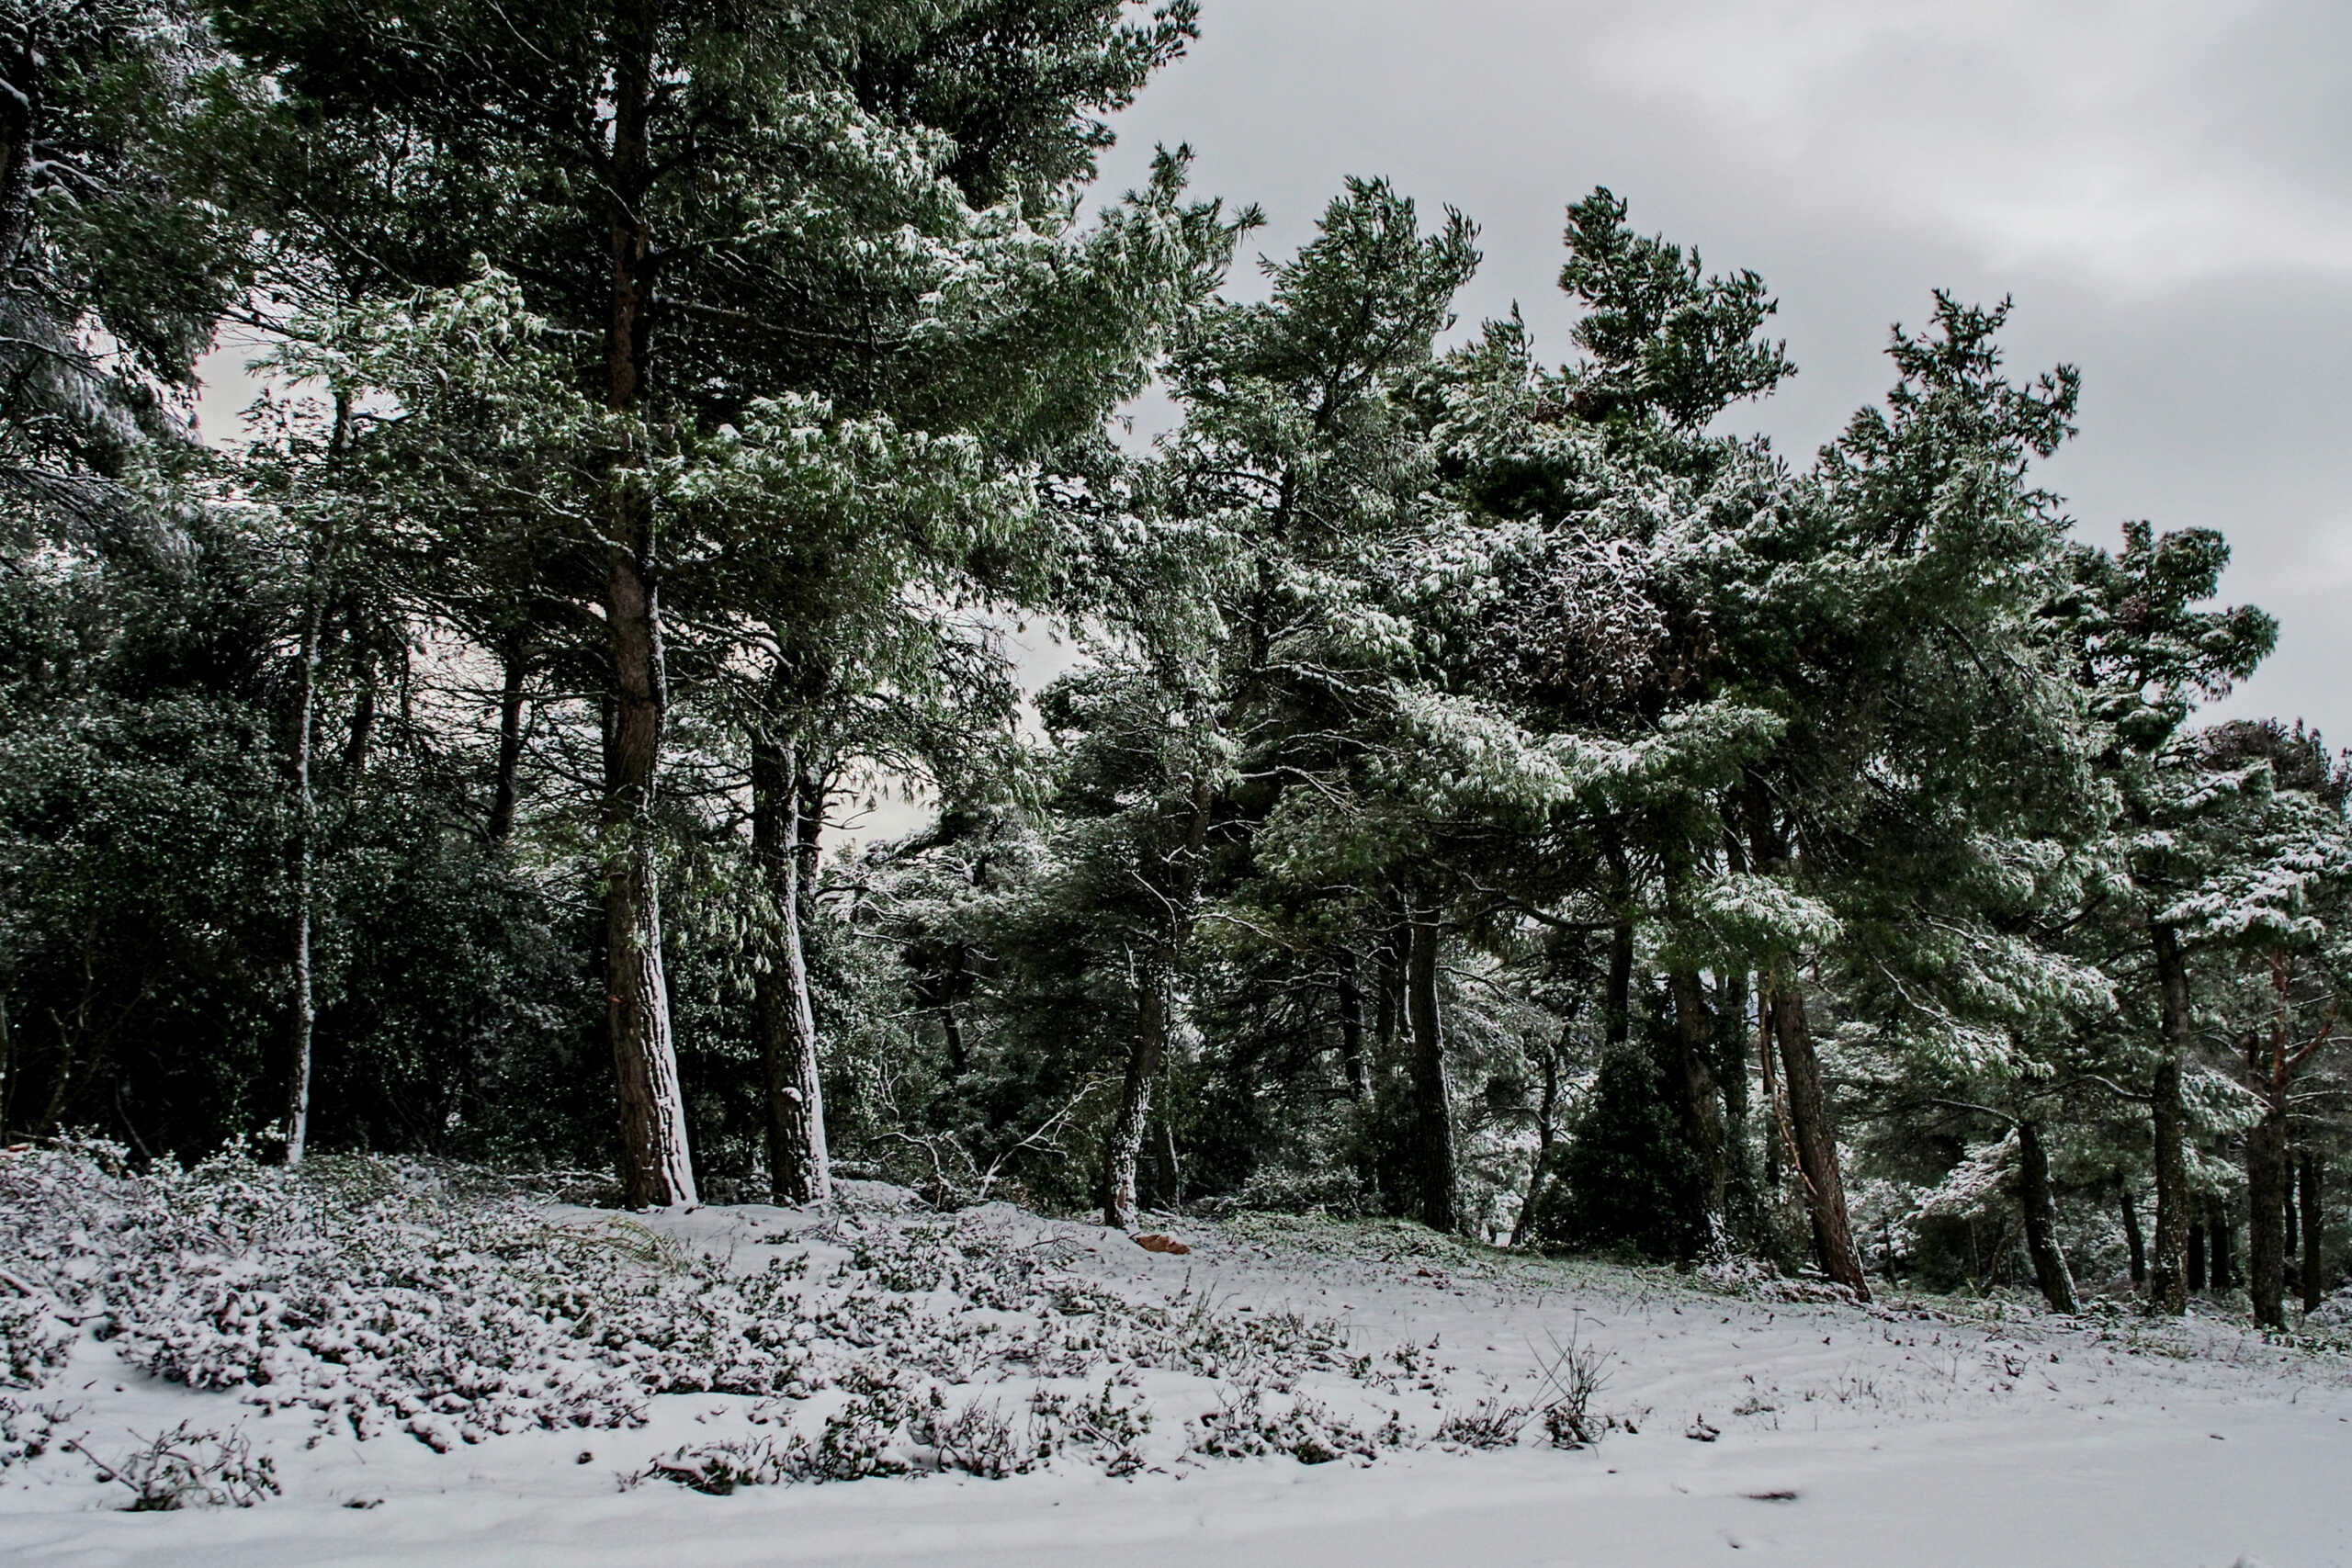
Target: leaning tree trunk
(1699,1108)
(1145,1053)
(2307,1183)
(2168,1267)
(656,1169)
(2039,1208)
(799,1167)
(1432,1101)
(1814,1136)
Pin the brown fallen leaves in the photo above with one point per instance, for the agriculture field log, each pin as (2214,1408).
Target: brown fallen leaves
(1159,1241)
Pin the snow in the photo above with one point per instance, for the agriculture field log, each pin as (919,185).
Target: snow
(1917,1431)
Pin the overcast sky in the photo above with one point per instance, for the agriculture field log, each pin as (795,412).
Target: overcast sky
(2165,188)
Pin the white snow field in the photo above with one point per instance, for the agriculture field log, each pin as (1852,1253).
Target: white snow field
(1293,1394)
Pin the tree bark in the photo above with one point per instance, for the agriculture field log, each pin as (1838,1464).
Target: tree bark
(1814,1136)
(2167,1269)
(2313,1282)
(2197,1255)
(302,1007)
(1120,1210)
(799,1166)
(2133,1241)
(20,116)
(503,789)
(1432,1101)
(2220,1243)
(2270,1185)
(1123,1144)
(656,1169)
(2040,1207)
(1352,1057)
(1547,1110)
(1698,1107)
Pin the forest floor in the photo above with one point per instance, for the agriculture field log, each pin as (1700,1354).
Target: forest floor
(1292,1393)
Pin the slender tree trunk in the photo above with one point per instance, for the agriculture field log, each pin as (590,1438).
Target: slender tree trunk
(22,66)
(1388,988)
(503,795)
(2039,1210)
(656,1169)
(301,1009)
(1698,1107)
(1432,1099)
(2197,1255)
(2270,1182)
(1144,1055)
(2133,1241)
(2168,1283)
(951,1027)
(2221,1243)
(1775,1109)
(1547,1110)
(800,1166)
(1814,1136)
(362,735)
(1352,1057)
(2314,1281)
(1124,1145)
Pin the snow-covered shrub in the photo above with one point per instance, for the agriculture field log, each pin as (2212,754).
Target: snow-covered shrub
(1496,1422)
(27,1432)
(717,1467)
(34,1339)
(183,1467)
(1242,1426)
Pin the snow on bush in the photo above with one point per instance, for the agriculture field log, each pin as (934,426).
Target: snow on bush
(388,1296)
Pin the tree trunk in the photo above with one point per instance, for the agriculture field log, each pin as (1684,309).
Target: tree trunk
(656,1169)
(1547,1110)
(1432,1101)
(1351,1058)
(2270,1184)
(1698,1107)
(799,1167)
(1144,1055)
(1775,1108)
(2220,1243)
(362,735)
(1124,1145)
(951,1027)
(2314,1283)
(2133,1241)
(301,1009)
(2167,1270)
(22,66)
(2040,1208)
(1815,1139)
(2197,1255)
(503,795)
(1388,988)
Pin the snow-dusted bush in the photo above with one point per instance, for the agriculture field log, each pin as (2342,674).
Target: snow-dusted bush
(383,1296)
(1245,1425)
(184,1468)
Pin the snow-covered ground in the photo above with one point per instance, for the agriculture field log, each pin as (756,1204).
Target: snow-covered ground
(1912,1432)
